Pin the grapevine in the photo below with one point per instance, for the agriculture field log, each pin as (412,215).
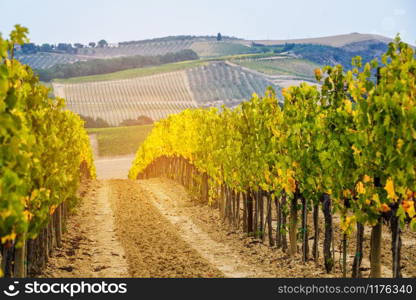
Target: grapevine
(43,148)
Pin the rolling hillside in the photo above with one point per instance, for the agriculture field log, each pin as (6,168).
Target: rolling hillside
(228,73)
(153,96)
(159,95)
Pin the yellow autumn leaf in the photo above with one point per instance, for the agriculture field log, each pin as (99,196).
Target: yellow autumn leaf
(411,211)
(286,93)
(366,178)
(28,215)
(292,184)
(376,198)
(10,237)
(267,175)
(409,208)
(346,193)
(399,144)
(360,188)
(52,209)
(355,149)
(348,106)
(347,224)
(5,213)
(389,187)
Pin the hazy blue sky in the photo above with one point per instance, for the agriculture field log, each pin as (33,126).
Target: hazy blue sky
(122,20)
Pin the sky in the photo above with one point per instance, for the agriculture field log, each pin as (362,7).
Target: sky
(83,21)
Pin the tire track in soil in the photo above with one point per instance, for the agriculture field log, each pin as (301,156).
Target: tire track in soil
(94,145)
(90,247)
(229,250)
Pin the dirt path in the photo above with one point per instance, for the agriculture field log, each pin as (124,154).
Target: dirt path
(228,250)
(90,247)
(94,145)
(115,167)
(111,167)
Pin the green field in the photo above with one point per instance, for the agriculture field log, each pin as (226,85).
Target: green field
(281,66)
(132,73)
(120,140)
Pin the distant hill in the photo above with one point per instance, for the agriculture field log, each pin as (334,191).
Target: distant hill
(334,40)
(331,50)
(323,50)
(328,55)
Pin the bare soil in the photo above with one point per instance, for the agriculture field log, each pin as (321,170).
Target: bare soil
(153,246)
(90,247)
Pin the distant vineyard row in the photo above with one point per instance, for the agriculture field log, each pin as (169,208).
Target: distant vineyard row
(149,48)
(45,60)
(159,95)
(280,65)
(219,83)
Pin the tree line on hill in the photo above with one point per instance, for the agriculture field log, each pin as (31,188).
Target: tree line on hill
(103,66)
(68,48)
(181,38)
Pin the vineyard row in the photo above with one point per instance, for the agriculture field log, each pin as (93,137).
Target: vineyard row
(44,154)
(346,149)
